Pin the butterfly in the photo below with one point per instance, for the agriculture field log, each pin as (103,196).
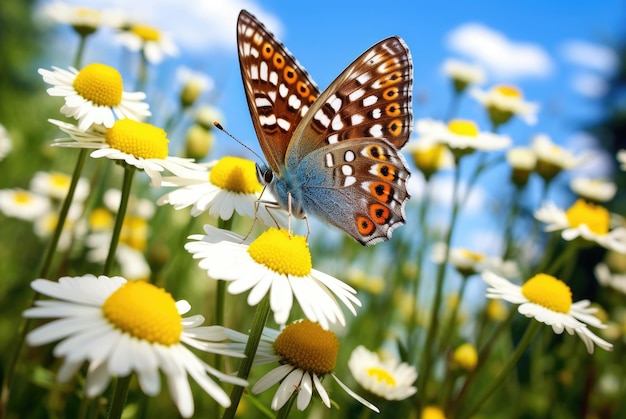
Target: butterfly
(333,154)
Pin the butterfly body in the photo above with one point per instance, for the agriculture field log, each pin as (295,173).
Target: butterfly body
(336,154)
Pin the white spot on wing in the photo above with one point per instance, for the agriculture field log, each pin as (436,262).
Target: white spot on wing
(349,156)
(337,124)
(330,162)
(363,78)
(283,90)
(350,180)
(376,130)
(347,170)
(264,71)
(267,120)
(332,139)
(334,102)
(254,72)
(370,100)
(322,118)
(274,78)
(294,102)
(272,96)
(356,94)
(254,52)
(283,123)
(376,113)
(356,119)
(262,102)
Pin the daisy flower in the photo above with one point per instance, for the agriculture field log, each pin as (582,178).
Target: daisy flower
(596,190)
(461,136)
(306,353)
(465,357)
(549,301)
(46,225)
(94,95)
(503,102)
(463,74)
(121,327)
(154,44)
(85,21)
(552,158)
(388,378)
(194,84)
(277,263)
(57,184)
(615,280)
(137,144)
(523,161)
(468,262)
(231,185)
(5,142)
(23,204)
(430,156)
(586,220)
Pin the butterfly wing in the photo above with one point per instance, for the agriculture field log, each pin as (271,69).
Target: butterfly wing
(371,98)
(278,90)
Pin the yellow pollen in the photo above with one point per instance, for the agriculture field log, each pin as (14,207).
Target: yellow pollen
(465,356)
(596,217)
(236,175)
(508,91)
(60,180)
(307,346)
(476,257)
(381,374)
(282,253)
(144,312)
(146,33)
(463,127)
(429,158)
(22,197)
(549,292)
(100,219)
(100,84)
(138,138)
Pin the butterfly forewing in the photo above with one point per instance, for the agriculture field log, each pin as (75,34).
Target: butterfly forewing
(278,89)
(371,98)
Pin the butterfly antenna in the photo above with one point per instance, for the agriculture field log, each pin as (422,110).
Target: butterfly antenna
(221,128)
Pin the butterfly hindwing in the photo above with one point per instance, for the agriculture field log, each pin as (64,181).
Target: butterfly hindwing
(278,89)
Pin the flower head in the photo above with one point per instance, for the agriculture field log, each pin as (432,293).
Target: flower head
(94,95)
(522,160)
(276,263)
(586,220)
(122,327)
(85,21)
(553,159)
(463,74)
(137,144)
(230,186)
(306,353)
(549,301)
(56,185)
(430,155)
(387,378)
(608,278)
(503,102)
(461,136)
(465,357)
(23,204)
(153,43)
(595,190)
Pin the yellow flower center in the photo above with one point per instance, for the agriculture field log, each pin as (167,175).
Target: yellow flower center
(381,375)
(549,292)
(146,33)
(282,253)
(144,312)
(22,197)
(433,412)
(465,356)
(60,180)
(236,175)
(100,219)
(100,84)
(138,138)
(473,256)
(86,13)
(135,232)
(307,346)
(596,217)
(463,127)
(508,91)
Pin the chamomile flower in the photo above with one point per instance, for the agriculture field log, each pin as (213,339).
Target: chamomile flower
(552,158)
(85,21)
(277,263)
(57,184)
(586,220)
(463,74)
(5,142)
(461,136)
(607,278)
(549,301)
(23,204)
(154,44)
(121,327)
(522,161)
(503,102)
(468,262)
(596,190)
(306,353)
(137,144)
(388,378)
(430,156)
(194,84)
(94,95)
(230,186)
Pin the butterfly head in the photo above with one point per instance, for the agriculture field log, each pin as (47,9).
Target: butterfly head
(264,174)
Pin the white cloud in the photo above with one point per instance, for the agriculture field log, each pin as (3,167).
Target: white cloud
(589,55)
(195,25)
(502,58)
(589,85)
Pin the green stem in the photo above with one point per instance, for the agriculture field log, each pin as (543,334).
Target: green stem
(434,314)
(119,397)
(80,52)
(496,383)
(129,172)
(510,223)
(260,318)
(142,78)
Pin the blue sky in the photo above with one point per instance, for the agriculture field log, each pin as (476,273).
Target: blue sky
(555,51)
